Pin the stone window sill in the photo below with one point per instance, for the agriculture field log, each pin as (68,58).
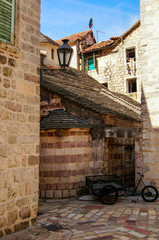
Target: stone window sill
(10,48)
(92,70)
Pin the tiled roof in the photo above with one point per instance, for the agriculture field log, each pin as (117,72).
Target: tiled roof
(98,46)
(62,119)
(46,39)
(79,87)
(114,38)
(112,42)
(74,37)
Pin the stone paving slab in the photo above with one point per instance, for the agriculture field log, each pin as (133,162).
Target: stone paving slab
(91,220)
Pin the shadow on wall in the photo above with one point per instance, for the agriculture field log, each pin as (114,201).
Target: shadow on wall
(150,138)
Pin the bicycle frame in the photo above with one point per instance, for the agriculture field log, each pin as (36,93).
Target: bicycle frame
(140,180)
(133,190)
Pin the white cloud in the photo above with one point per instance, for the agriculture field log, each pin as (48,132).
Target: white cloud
(66,17)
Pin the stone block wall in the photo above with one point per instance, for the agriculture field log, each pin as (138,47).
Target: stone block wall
(150,89)
(79,151)
(123,153)
(111,66)
(67,156)
(19,121)
(65,161)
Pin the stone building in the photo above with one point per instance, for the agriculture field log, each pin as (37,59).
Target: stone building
(150,89)
(78,42)
(116,63)
(19,114)
(85,129)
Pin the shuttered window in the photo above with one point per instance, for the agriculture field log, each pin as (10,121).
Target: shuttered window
(91,64)
(7,20)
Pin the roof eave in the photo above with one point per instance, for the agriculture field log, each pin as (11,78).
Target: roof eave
(56,44)
(99,49)
(105,111)
(128,31)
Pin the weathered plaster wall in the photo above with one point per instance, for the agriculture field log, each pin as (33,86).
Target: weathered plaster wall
(73,62)
(19,121)
(111,65)
(150,88)
(48,48)
(79,45)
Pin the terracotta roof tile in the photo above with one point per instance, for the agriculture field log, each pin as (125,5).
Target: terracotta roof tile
(112,42)
(46,39)
(74,37)
(98,46)
(114,38)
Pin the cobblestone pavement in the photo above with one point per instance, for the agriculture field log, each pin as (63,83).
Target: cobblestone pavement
(91,220)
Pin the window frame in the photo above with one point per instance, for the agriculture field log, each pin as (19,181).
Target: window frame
(93,60)
(52,54)
(106,84)
(129,80)
(12,22)
(129,49)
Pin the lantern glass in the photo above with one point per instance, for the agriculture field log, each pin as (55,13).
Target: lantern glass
(67,56)
(61,56)
(64,54)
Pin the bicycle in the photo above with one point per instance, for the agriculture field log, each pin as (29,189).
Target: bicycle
(109,187)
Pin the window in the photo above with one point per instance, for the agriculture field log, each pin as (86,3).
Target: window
(91,64)
(88,63)
(130,54)
(52,53)
(7,20)
(131,85)
(105,84)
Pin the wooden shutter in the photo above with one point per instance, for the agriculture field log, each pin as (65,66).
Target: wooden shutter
(7,20)
(84,65)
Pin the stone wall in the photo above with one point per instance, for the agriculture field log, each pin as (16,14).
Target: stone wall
(67,156)
(65,161)
(150,89)
(81,150)
(112,68)
(123,155)
(19,121)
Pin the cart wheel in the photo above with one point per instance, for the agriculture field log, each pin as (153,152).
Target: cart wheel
(108,195)
(149,193)
(96,192)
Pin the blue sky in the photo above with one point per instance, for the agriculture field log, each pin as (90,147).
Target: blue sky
(61,18)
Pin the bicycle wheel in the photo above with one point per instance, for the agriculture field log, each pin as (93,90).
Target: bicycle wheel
(149,193)
(108,195)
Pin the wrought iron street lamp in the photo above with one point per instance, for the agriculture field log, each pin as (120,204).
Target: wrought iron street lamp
(64,53)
